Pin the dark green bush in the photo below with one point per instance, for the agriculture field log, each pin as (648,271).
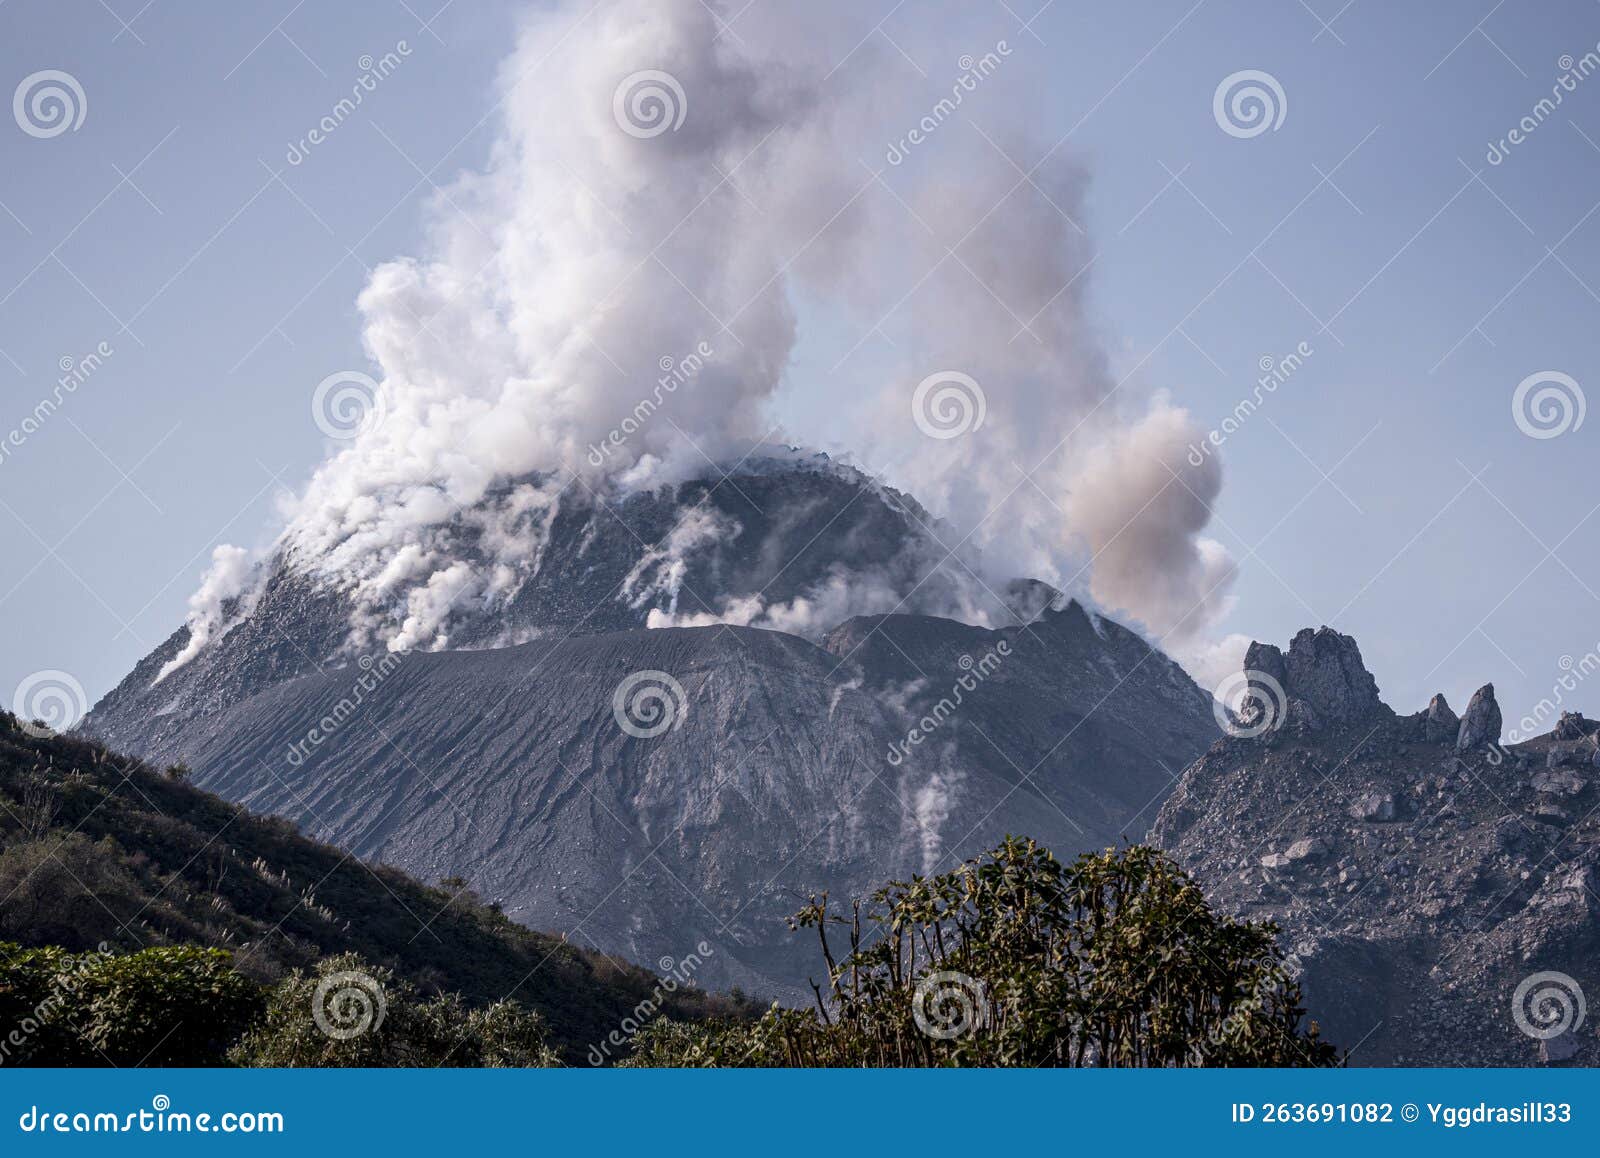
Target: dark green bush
(1015,960)
(350,1013)
(171,1005)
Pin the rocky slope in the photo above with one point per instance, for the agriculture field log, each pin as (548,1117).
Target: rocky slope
(782,768)
(643,790)
(1439,891)
(97,848)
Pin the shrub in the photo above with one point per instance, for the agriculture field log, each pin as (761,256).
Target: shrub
(349,1013)
(171,1005)
(1015,960)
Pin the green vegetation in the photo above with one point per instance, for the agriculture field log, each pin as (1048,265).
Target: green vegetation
(144,922)
(184,1006)
(1015,960)
(98,850)
(172,1006)
(369,1017)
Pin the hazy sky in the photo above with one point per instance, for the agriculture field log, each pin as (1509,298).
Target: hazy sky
(1385,488)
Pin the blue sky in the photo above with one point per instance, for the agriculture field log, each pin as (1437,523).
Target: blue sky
(1385,489)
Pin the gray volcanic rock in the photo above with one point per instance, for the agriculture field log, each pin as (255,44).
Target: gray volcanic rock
(1324,668)
(775,778)
(1439,722)
(1573,726)
(757,766)
(1480,726)
(1449,877)
(1321,680)
(1074,691)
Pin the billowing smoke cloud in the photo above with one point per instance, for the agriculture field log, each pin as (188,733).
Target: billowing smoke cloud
(664,195)
(1141,510)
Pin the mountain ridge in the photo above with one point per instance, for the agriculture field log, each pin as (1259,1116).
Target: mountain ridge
(1440,892)
(874,746)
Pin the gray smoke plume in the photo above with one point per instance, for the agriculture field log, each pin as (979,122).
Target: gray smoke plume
(674,220)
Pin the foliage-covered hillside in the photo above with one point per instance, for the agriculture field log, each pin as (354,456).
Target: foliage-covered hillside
(100,850)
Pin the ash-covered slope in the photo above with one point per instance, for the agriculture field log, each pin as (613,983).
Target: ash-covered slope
(831,755)
(805,534)
(1438,890)
(786,768)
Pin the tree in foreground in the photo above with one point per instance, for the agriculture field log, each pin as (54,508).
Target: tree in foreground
(349,1013)
(1016,960)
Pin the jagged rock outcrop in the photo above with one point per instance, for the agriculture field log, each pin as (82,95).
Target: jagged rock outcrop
(1439,722)
(1444,877)
(1573,726)
(1325,670)
(1321,679)
(1480,725)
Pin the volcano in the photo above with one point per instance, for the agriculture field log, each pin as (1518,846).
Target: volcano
(620,744)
